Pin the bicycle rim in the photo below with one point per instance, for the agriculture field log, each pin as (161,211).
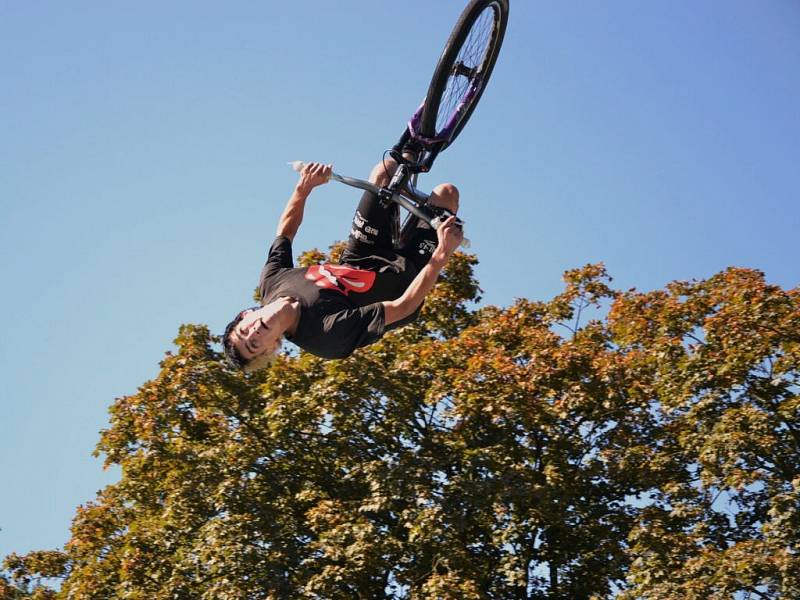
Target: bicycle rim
(464,69)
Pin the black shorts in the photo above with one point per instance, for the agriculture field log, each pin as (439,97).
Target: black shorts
(371,234)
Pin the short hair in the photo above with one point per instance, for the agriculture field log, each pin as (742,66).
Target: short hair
(234,357)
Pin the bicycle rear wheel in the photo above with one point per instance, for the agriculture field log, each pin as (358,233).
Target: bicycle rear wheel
(463,70)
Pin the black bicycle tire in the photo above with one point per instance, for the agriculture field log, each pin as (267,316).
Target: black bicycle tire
(441,73)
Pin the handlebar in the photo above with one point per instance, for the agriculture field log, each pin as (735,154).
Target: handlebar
(413,202)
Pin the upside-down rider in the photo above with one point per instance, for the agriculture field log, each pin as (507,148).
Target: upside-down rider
(330,310)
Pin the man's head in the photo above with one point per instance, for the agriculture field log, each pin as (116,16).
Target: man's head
(252,340)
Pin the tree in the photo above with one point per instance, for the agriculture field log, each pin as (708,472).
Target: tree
(479,453)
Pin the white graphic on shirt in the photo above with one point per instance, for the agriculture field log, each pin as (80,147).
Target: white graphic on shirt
(341,278)
(332,278)
(427,246)
(328,275)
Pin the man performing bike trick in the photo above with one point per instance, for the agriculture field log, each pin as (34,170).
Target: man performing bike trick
(330,310)
(383,275)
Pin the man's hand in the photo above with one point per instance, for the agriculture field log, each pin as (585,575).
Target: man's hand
(312,175)
(450,236)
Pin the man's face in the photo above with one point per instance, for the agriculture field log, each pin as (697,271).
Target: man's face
(259,331)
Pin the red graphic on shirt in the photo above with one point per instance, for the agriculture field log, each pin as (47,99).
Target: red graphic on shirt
(342,279)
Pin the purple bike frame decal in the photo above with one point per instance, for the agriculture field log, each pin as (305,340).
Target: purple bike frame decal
(413,126)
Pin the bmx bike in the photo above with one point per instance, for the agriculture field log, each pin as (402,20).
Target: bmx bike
(458,82)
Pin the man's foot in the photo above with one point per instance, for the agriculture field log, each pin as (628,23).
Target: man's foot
(412,150)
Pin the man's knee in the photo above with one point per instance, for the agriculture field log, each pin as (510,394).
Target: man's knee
(446,196)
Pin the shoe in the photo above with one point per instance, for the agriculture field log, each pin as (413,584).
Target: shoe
(412,150)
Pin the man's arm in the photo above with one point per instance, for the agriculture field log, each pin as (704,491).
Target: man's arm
(450,236)
(312,175)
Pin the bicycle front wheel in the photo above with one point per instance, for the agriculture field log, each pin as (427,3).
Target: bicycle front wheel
(463,69)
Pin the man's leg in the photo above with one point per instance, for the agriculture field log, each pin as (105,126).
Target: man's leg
(371,231)
(419,240)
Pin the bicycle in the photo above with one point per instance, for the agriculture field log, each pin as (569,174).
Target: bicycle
(458,82)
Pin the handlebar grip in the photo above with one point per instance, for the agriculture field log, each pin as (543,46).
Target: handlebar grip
(436,222)
(297,165)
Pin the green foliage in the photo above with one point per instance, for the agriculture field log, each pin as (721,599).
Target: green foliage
(474,454)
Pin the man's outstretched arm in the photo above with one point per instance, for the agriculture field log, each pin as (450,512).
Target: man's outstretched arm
(450,236)
(312,175)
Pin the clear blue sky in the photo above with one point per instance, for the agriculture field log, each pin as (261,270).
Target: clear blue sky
(143,151)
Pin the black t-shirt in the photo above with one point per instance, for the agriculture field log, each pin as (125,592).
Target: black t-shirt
(340,305)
